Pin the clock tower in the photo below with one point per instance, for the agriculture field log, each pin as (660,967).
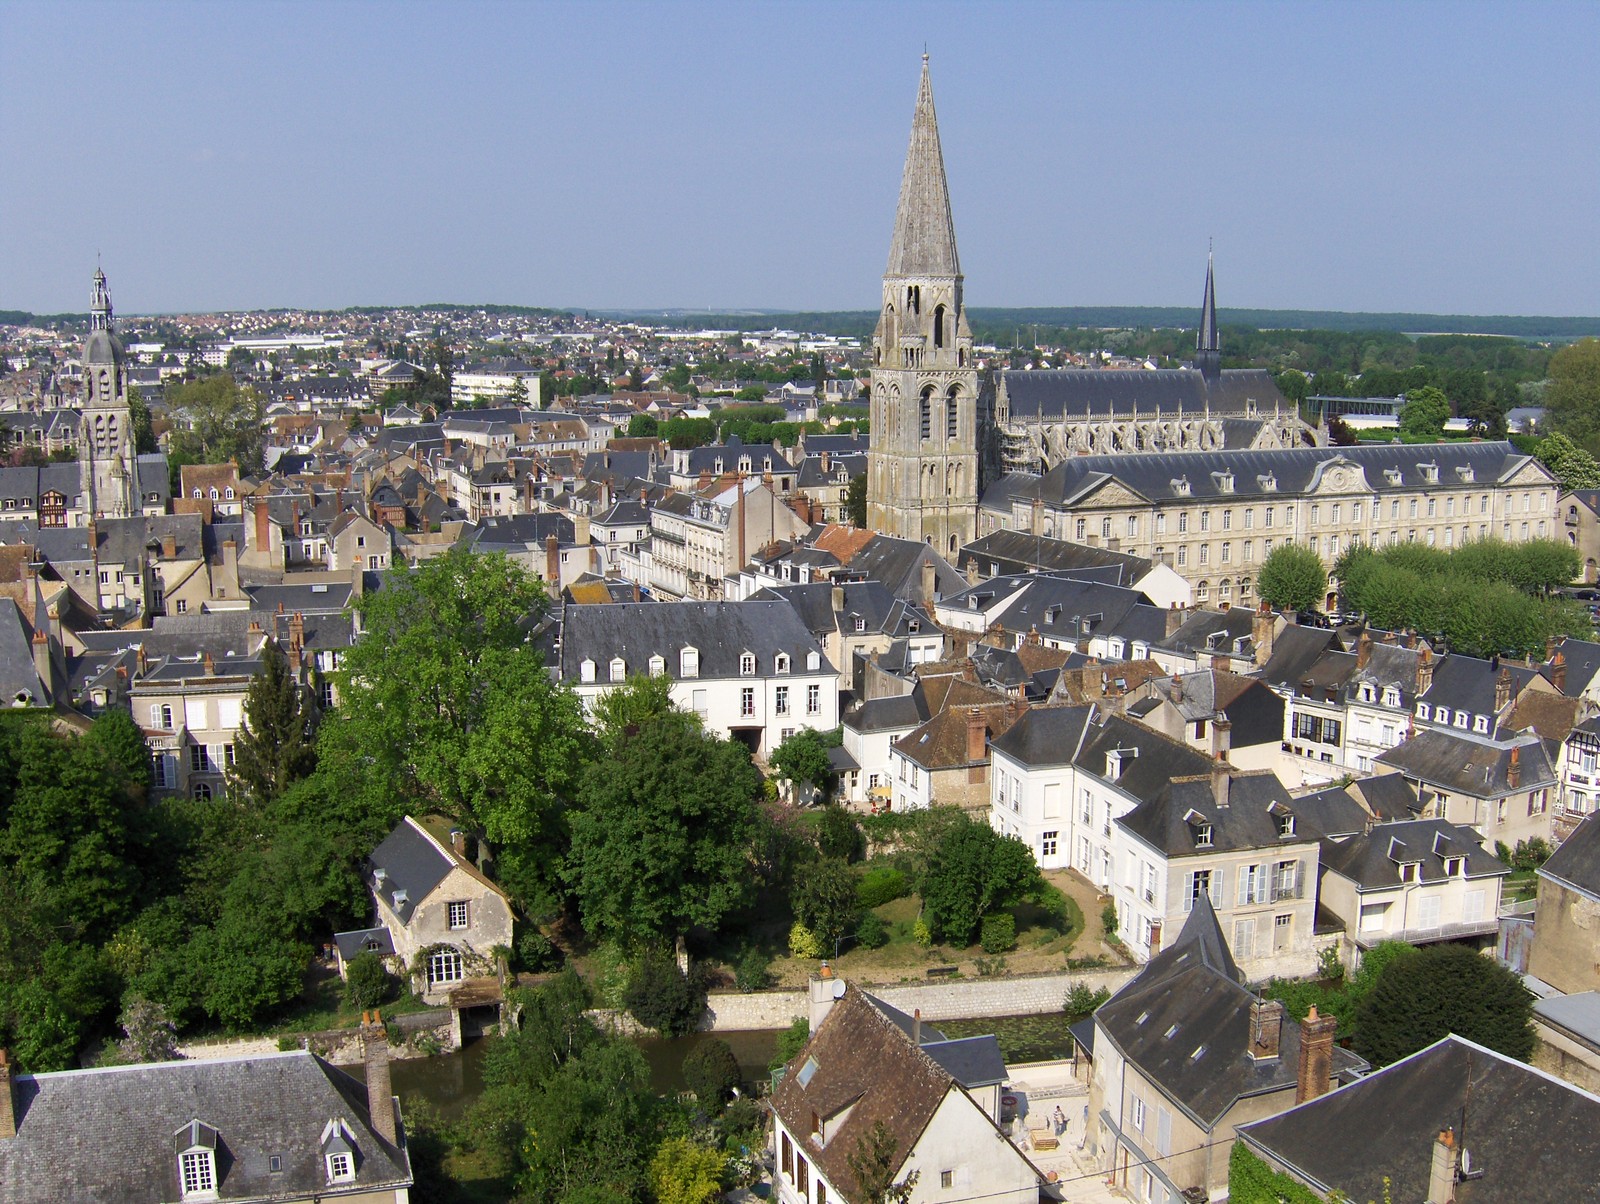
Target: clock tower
(105,436)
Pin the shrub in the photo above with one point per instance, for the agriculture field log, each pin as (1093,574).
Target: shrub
(1529,855)
(999,932)
(535,951)
(662,997)
(921,933)
(989,967)
(367,983)
(1328,963)
(1439,990)
(872,933)
(753,971)
(1108,917)
(711,1071)
(824,899)
(804,943)
(1082,1000)
(879,885)
(790,1042)
(838,834)
(973,871)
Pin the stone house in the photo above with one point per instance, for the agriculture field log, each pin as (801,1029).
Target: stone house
(1503,789)
(868,1064)
(1566,921)
(443,919)
(279,1127)
(1184,1053)
(1420,881)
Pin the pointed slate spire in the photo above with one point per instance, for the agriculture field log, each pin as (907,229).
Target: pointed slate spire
(1207,338)
(100,303)
(924,230)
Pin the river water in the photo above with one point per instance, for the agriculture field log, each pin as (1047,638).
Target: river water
(451,1082)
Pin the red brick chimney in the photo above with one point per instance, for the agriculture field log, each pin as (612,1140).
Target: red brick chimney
(1558,672)
(977,734)
(1177,688)
(1316,1056)
(1514,770)
(8,1115)
(169,546)
(1502,690)
(297,631)
(263,526)
(380,1095)
(1424,670)
(552,559)
(1363,651)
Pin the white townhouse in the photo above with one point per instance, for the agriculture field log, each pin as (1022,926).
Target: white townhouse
(750,670)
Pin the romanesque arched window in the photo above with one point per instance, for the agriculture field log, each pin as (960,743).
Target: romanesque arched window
(938,326)
(952,423)
(927,412)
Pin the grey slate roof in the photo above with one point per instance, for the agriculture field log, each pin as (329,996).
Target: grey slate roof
(1462,764)
(1576,864)
(107,1134)
(1067,393)
(1372,860)
(970,1061)
(412,865)
(1530,1135)
(1578,1014)
(1010,551)
(900,712)
(1189,998)
(1331,813)
(361,940)
(18,677)
(1045,736)
(721,631)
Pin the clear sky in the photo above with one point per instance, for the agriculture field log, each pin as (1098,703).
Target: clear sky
(1437,157)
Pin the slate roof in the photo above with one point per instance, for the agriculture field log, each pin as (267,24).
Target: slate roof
(108,1134)
(1046,736)
(1331,813)
(1167,821)
(1578,1014)
(1057,394)
(970,1061)
(1295,650)
(1583,662)
(1058,608)
(1462,764)
(1199,475)
(722,631)
(1388,796)
(412,862)
(1530,1135)
(359,941)
(901,711)
(941,742)
(1576,864)
(18,678)
(1009,551)
(1190,998)
(1372,859)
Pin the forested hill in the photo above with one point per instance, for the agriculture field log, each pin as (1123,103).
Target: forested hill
(1007,325)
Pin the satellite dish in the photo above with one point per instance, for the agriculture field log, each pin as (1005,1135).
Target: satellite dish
(838,988)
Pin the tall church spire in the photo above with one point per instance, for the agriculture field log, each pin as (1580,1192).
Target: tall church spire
(1207,344)
(924,230)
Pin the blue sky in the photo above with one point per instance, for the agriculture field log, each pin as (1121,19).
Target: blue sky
(1426,157)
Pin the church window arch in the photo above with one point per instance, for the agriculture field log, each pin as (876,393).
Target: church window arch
(953,543)
(938,325)
(927,412)
(952,419)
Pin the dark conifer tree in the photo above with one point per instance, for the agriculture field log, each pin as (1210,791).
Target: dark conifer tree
(276,744)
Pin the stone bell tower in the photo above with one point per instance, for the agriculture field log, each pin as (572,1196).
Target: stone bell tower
(105,439)
(923,457)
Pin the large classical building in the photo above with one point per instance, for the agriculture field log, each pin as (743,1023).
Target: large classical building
(923,460)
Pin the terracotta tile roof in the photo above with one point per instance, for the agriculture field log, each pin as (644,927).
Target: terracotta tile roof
(1552,715)
(941,742)
(842,542)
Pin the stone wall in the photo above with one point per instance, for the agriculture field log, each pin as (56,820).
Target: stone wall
(950,999)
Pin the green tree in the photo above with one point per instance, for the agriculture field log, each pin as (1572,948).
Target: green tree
(1424,413)
(825,901)
(276,746)
(685,1173)
(802,760)
(637,703)
(367,982)
(661,996)
(445,706)
(838,834)
(218,421)
(1292,576)
(711,1071)
(144,436)
(148,1033)
(643,426)
(1572,398)
(1568,463)
(973,872)
(855,501)
(664,833)
(873,1163)
(1438,990)
(518,396)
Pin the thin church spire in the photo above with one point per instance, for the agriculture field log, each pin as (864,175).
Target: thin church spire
(924,229)
(1207,343)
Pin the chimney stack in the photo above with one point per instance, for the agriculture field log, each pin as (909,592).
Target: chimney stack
(8,1115)
(916,1027)
(1514,770)
(1442,1173)
(823,985)
(1266,1029)
(297,631)
(1316,1056)
(1502,690)
(208,666)
(1177,688)
(1221,736)
(169,546)
(1549,647)
(380,1095)
(263,527)
(1363,651)
(1175,617)
(836,597)
(928,579)
(45,666)
(1261,633)
(458,841)
(1424,670)
(552,559)
(1558,672)
(1221,782)
(977,734)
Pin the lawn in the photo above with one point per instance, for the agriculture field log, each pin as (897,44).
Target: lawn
(1046,934)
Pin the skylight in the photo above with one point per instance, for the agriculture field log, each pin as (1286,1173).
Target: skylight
(1195,1056)
(806,1071)
(1168,1034)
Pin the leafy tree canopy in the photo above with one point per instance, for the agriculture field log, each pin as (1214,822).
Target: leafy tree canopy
(275,747)
(1425,412)
(973,871)
(1569,463)
(218,420)
(1439,990)
(1292,577)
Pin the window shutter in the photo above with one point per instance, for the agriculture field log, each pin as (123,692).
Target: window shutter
(1188,890)
(1163,1132)
(155,716)
(1242,898)
(1219,887)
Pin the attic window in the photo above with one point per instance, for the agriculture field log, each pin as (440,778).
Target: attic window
(1224,481)
(807,1071)
(689,662)
(1392,475)
(1195,1056)
(658,665)
(781,663)
(1268,482)
(747,664)
(1202,836)
(341,1168)
(196,1147)
(1430,472)
(1285,825)
(1180,486)
(1143,1016)
(1422,710)
(861,624)
(1481,725)
(1442,714)
(1170,1032)
(1453,866)
(619,669)
(1464,472)
(1391,696)
(813,661)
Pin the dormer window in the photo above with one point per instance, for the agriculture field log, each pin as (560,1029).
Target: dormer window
(228,493)
(1481,725)
(860,624)
(338,1152)
(689,662)
(1392,475)
(196,1147)
(1391,696)
(1464,472)
(747,664)
(1268,482)
(586,669)
(813,661)
(1180,486)
(619,669)
(780,663)
(1423,710)
(1453,866)
(1461,719)
(1365,691)
(1285,825)
(1224,481)
(1430,472)
(1408,871)
(658,665)
(1442,715)
(1203,838)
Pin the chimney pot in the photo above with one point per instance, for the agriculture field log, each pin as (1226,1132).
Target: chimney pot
(977,734)
(1316,1056)
(916,1027)
(1266,1028)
